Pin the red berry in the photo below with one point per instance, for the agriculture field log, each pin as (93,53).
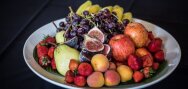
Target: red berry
(146,72)
(147,60)
(155,45)
(69,76)
(134,62)
(44,61)
(50,39)
(79,81)
(53,65)
(73,65)
(155,65)
(159,56)
(138,76)
(150,35)
(51,52)
(41,50)
(85,69)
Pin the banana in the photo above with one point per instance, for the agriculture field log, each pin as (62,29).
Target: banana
(108,7)
(93,9)
(83,7)
(128,15)
(119,12)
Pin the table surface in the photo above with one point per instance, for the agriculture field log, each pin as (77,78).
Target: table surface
(168,14)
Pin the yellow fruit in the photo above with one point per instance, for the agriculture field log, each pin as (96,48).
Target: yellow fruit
(119,12)
(100,62)
(125,73)
(108,7)
(83,7)
(128,15)
(93,9)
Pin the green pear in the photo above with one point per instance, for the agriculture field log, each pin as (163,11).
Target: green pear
(60,37)
(62,55)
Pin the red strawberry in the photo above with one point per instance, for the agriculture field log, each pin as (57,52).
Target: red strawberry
(53,65)
(44,60)
(69,76)
(73,65)
(155,45)
(138,76)
(79,80)
(51,52)
(85,69)
(134,62)
(150,35)
(41,50)
(155,65)
(146,72)
(50,39)
(147,60)
(159,56)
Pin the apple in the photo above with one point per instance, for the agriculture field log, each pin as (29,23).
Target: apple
(122,46)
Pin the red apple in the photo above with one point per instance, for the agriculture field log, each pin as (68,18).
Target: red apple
(122,46)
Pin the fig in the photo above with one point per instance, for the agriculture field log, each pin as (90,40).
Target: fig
(96,33)
(138,33)
(84,56)
(92,44)
(106,49)
(72,42)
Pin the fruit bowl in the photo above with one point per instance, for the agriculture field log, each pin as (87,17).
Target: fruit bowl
(170,46)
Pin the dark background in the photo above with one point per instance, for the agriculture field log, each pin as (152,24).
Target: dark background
(15,74)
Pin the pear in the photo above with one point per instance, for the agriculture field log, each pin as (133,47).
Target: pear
(62,55)
(60,37)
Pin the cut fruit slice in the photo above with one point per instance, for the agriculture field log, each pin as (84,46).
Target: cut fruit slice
(92,44)
(96,33)
(72,42)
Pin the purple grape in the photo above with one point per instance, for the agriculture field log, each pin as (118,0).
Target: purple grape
(67,19)
(125,22)
(72,34)
(62,24)
(80,31)
(86,13)
(84,22)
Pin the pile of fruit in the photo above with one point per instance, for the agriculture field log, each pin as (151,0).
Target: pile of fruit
(98,47)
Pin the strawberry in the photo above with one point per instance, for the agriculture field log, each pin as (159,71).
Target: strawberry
(159,56)
(73,65)
(41,50)
(138,76)
(148,72)
(155,45)
(155,65)
(134,62)
(53,65)
(147,60)
(44,60)
(50,39)
(69,76)
(150,35)
(79,80)
(51,52)
(85,69)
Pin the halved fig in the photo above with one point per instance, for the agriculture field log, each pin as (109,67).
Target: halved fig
(96,33)
(106,49)
(84,57)
(92,44)
(72,42)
